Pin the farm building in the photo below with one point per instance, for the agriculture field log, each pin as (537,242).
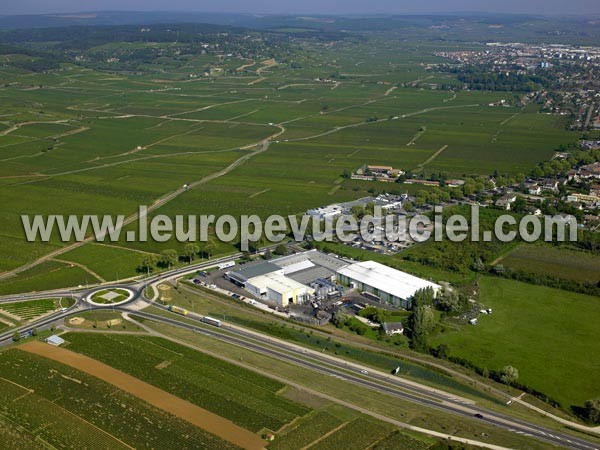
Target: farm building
(55,340)
(277,288)
(505,201)
(390,285)
(325,212)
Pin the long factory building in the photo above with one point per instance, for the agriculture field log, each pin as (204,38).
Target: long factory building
(299,278)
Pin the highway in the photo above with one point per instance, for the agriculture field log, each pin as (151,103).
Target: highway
(291,353)
(344,371)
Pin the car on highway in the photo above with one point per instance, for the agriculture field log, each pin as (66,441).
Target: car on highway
(479,416)
(364,372)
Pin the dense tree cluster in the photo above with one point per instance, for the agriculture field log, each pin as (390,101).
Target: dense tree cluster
(485,78)
(592,410)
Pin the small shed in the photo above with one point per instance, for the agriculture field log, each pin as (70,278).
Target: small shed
(55,340)
(393,328)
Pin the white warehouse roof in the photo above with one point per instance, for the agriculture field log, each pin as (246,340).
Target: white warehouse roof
(276,282)
(55,340)
(298,266)
(384,278)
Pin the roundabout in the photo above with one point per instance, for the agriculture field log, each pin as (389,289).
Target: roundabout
(110,296)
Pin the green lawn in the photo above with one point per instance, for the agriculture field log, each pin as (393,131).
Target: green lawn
(112,296)
(549,335)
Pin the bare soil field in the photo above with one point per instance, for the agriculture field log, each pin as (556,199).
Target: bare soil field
(183,409)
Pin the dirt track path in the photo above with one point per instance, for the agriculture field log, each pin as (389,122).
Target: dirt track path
(390,90)
(82,267)
(217,425)
(22,124)
(431,158)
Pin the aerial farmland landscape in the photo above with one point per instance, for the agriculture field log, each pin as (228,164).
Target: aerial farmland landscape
(289,226)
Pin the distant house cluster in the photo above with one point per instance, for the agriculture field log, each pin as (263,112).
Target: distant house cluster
(386,202)
(377,173)
(587,172)
(591,199)
(590,144)
(546,185)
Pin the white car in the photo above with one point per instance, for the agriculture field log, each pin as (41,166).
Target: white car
(364,372)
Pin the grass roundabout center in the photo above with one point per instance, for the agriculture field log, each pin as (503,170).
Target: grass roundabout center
(111,296)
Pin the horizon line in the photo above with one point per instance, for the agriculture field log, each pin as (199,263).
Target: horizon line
(315,14)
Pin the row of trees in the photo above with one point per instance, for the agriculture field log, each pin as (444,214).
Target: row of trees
(553,281)
(171,257)
(168,258)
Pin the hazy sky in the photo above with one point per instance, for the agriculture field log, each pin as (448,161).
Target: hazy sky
(306,6)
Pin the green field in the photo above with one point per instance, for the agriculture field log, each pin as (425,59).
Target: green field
(344,428)
(246,398)
(92,142)
(111,263)
(401,441)
(47,405)
(93,137)
(46,276)
(29,310)
(333,427)
(547,334)
(307,431)
(555,262)
(103,320)
(358,434)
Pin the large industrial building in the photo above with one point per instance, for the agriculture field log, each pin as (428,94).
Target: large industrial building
(309,266)
(312,275)
(389,285)
(279,289)
(295,279)
(241,275)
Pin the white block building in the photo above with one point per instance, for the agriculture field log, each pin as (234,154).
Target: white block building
(390,285)
(279,289)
